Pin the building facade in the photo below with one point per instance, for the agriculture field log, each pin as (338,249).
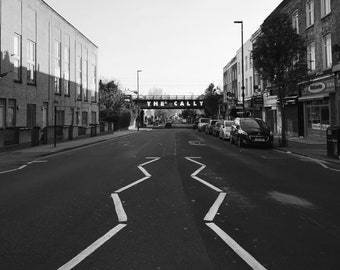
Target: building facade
(317,21)
(48,71)
(314,104)
(230,85)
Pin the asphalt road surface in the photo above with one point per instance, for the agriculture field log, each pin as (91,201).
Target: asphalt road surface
(171,199)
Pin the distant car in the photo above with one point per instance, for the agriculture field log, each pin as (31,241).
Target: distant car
(202,122)
(210,126)
(225,129)
(168,125)
(216,128)
(251,131)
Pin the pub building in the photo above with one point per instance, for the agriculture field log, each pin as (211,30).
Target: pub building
(318,98)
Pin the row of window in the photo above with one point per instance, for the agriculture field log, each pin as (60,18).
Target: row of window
(86,75)
(310,17)
(7,119)
(248,87)
(31,59)
(8,115)
(326,53)
(77,118)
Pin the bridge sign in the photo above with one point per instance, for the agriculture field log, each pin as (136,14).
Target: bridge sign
(170,102)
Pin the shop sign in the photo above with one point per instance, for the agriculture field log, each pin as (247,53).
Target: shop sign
(269,101)
(316,87)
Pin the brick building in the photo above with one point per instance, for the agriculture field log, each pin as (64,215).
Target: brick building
(315,104)
(48,72)
(318,21)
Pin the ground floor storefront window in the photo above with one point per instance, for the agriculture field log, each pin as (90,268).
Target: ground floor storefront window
(317,117)
(271,118)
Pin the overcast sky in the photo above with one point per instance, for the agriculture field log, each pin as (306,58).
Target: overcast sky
(181,46)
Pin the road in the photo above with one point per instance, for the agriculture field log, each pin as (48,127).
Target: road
(171,199)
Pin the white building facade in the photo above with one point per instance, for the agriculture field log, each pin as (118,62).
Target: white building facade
(48,71)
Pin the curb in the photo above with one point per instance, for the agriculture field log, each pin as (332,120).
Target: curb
(307,156)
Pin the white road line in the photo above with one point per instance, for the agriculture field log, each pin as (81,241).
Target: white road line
(23,166)
(196,143)
(214,208)
(193,175)
(132,184)
(147,175)
(250,260)
(206,183)
(94,246)
(13,170)
(37,161)
(122,217)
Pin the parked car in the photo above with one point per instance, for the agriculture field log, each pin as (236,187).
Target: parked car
(216,128)
(168,125)
(202,122)
(225,129)
(209,127)
(251,131)
(195,125)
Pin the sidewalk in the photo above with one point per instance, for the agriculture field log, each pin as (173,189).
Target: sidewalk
(18,157)
(305,147)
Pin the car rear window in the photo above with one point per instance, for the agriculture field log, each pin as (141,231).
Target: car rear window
(204,120)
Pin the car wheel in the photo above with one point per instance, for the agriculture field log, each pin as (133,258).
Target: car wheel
(239,142)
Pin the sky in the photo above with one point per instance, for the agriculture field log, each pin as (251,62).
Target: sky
(181,46)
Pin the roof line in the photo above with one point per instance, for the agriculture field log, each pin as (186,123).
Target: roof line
(48,6)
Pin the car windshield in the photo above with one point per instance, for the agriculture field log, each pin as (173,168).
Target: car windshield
(252,123)
(204,120)
(213,122)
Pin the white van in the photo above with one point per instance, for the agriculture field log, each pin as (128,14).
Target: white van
(202,122)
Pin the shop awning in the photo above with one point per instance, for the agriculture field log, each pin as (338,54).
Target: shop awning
(321,96)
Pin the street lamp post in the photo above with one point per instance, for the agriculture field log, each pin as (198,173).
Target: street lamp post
(243,108)
(138,110)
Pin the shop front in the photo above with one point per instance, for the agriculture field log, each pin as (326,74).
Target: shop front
(257,105)
(270,111)
(317,98)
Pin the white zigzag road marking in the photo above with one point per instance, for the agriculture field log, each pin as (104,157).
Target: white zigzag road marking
(194,175)
(94,246)
(214,208)
(209,217)
(250,260)
(122,217)
(147,175)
